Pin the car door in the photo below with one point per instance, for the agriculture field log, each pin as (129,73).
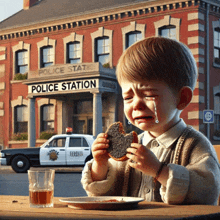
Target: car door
(77,151)
(54,153)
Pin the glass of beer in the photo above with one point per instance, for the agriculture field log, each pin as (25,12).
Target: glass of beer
(41,188)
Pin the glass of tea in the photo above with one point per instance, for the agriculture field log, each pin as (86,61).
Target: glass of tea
(41,188)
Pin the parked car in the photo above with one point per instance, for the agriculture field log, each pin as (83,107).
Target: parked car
(59,150)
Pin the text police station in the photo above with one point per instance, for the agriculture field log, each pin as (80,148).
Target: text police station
(64,86)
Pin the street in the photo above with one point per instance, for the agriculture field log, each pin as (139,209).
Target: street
(66,184)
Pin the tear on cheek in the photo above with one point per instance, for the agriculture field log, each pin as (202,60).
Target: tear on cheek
(155,112)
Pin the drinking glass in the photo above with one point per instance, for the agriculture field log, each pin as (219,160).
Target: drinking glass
(41,188)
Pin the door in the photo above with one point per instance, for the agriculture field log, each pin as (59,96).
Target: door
(77,151)
(54,153)
(82,124)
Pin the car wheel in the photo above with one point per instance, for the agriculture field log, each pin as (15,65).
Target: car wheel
(20,164)
(88,158)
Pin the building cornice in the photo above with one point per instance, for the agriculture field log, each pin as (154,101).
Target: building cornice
(131,10)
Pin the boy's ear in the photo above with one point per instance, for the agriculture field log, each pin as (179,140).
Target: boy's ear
(185,97)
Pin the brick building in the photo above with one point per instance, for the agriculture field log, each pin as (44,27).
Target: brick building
(58,58)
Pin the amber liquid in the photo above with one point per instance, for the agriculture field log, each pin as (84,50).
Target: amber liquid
(41,197)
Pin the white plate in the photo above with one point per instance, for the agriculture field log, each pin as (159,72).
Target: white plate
(102,202)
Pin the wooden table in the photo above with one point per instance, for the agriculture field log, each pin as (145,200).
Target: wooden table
(17,207)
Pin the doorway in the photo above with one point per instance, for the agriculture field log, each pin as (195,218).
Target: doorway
(82,124)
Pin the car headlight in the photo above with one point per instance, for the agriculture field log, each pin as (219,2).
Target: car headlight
(2,154)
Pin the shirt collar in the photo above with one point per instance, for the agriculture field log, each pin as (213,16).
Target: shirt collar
(169,137)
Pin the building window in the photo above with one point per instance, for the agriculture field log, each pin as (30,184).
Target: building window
(21,119)
(133,37)
(217,114)
(102,50)
(217,45)
(22,61)
(217,123)
(47,56)
(168,31)
(73,52)
(47,116)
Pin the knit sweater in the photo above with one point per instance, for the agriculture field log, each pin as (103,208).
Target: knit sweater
(192,151)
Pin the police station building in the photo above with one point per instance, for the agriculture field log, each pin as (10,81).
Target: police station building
(58,59)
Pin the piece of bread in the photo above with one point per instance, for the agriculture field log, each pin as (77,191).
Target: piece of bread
(119,141)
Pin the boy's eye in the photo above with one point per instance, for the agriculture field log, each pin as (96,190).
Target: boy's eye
(150,98)
(127,98)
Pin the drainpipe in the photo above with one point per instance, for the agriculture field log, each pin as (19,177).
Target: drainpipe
(207,67)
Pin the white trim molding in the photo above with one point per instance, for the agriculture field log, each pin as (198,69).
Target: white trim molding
(102,32)
(215,24)
(71,38)
(40,103)
(132,27)
(45,42)
(14,103)
(168,20)
(20,46)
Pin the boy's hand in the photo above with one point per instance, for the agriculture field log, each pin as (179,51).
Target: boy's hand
(99,149)
(143,159)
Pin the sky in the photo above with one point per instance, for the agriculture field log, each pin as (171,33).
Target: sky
(9,7)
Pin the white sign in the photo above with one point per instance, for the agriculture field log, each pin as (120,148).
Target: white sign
(63,86)
(208,116)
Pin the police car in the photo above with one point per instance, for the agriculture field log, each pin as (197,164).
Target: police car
(60,150)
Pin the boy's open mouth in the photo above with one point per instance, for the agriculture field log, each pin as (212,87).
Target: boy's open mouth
(144,117)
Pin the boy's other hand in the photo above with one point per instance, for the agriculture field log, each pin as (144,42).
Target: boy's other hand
(99,149)
(143,159)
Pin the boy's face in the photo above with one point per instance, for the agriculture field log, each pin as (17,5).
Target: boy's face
(139,105)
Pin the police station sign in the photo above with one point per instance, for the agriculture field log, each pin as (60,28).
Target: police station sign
(55,87)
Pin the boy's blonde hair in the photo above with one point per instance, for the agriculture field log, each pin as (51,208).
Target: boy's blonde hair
(158,58)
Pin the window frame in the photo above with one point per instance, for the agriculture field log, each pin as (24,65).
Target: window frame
(50,55)
(17,128)
(132,33)
(44,43)
(167,21)
(42,124)
(167,27)
(216,59)
(104,53)
(78,52)
(17,61)
(130,28)
(101,32)
(20,47)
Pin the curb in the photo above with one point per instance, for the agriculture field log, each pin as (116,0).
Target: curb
(57,169)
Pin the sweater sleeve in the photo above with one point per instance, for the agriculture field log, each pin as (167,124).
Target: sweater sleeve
(197,183)
(177,185)
(98,188)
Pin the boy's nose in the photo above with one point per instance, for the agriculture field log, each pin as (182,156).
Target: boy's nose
(139,104)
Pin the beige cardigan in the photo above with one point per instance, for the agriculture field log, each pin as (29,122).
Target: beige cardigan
(192,147)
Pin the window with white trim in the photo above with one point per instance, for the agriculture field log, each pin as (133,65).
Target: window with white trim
(102,50)
(21,61)
(133,37)
(168,27)
(217,115)
(73,52)
(47,56)
(102,47)
(21,119)
(217,45)
(47,117)
(168,31)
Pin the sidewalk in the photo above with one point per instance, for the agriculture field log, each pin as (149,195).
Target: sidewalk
(5,169)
